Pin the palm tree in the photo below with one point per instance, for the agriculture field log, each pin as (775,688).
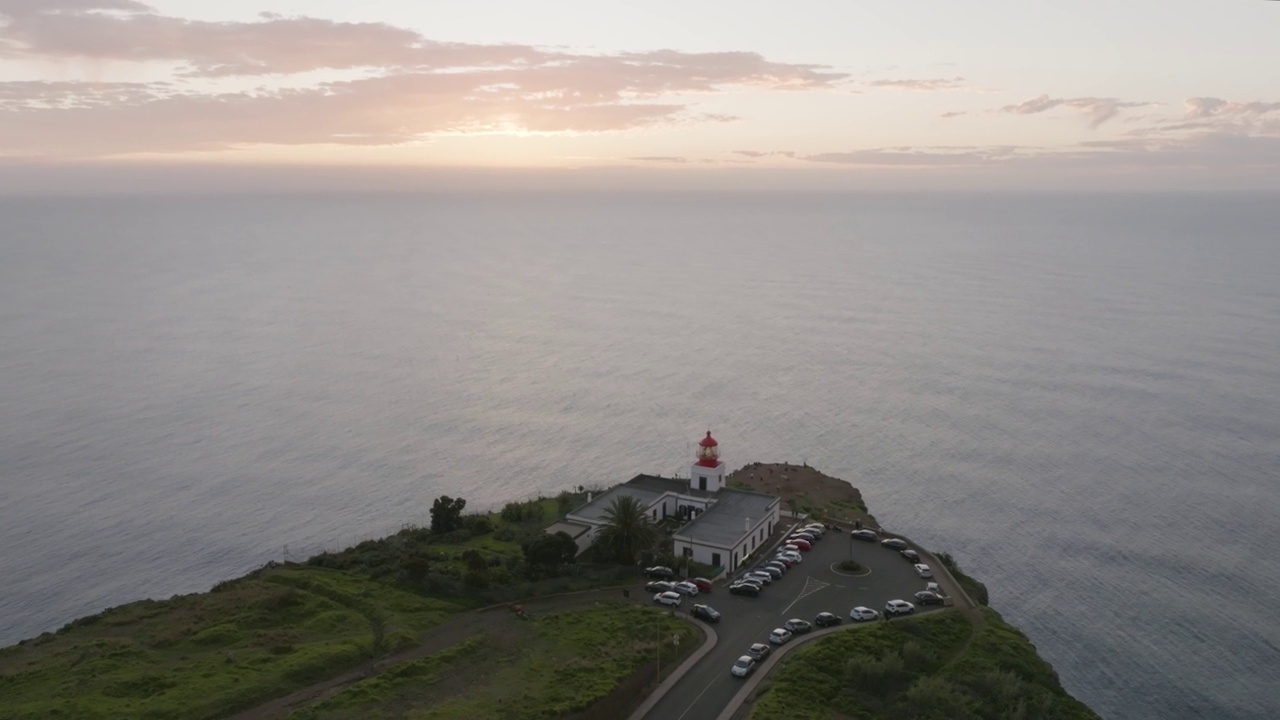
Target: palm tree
(627,531)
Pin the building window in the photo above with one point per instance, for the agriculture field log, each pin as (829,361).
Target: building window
(702,482)
(715,559)
(688,552)
(735,559)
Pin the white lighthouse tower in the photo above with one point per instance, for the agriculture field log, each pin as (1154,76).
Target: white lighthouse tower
(707,473)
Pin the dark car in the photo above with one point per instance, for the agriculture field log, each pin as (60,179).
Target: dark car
(759,651)
(659,572)
(746,589)
(777,564)
(865,535)
(910,556)
(773,570)
(894,543)
(797,626)
(808,537)
(659,586)
(826,619)
(706,612)
(927,597)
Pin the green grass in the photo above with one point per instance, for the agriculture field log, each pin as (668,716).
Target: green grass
(550,667)
(935,666)
(206,655)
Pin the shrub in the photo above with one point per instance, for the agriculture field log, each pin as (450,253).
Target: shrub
(850,566)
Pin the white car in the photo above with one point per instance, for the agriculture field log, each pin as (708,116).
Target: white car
(792,555)
(762,576)
(779,636)
(862,614)
(684,587)
(745,665)
(899,607)
(923,570)
(672,599)
(817,530)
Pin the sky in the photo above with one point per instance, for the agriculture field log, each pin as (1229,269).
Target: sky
(812,94)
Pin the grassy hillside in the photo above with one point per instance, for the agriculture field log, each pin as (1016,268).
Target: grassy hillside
(203,656)
(936,666)
(548,667)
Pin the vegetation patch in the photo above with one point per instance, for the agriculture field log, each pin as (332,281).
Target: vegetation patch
(548,667)
(935,666)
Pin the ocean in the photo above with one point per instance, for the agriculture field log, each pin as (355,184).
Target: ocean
(1077,395)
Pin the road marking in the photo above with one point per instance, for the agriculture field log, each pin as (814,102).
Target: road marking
(695,702)
(811,586)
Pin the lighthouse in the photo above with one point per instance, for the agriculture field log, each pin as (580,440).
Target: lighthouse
(707,473)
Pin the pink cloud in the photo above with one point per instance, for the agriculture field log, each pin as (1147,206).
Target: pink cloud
(952,113)
(1204,107)
(930,84)
(415,86)
(1099,110)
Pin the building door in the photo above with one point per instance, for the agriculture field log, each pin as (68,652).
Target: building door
(715,559)
(702,482)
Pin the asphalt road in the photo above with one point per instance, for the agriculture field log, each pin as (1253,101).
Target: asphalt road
(805,590)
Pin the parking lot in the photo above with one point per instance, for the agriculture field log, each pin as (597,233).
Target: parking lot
(807,589)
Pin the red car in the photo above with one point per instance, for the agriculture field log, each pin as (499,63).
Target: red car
(704,585)
(802,544)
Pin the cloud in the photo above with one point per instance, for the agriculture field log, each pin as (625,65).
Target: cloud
(931,84)
(407,87)
(920,157)
(1204,107)
(660,159)
(1099,110)
(760,154)
(953,113)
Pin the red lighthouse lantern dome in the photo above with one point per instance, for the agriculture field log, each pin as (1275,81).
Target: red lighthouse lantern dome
(708,451)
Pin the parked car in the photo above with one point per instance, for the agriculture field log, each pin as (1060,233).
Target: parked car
(743,667)
(923,570)
(826,619)
(777,565)
(672,599)
(773,570)
(706,612)
(933,588)
(684,587)
(899,607)
(747,589)
(793,556)
(804,545)
(926,597)
(759,651)
(785,560)
(911,555)
(660,572)
(791,547)
(815,529)
(779,636)
(657,586)
(761,576)
(863,614)
(806,536)
(797,626)
(894,543)
(704,585)
(865,535)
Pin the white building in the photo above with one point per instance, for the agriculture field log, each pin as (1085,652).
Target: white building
(724,525)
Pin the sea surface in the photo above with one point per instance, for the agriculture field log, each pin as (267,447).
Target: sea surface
(1078,396)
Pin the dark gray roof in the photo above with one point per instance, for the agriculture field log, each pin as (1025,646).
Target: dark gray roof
(724,523)
(645,488)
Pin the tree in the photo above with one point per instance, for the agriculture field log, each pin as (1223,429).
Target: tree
(627,531)
(446,514)
(550,551)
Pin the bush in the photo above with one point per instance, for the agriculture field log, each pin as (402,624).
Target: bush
(477,524)
(850,566)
